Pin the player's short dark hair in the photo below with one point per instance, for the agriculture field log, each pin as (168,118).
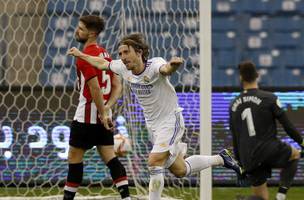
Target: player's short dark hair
(248,71)
(138,42)
(93,23)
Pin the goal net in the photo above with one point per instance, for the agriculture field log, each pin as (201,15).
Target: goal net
(38,99)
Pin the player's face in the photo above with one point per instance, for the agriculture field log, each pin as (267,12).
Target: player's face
(129,57)
(82,33)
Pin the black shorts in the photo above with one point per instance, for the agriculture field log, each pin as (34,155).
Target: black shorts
(279,158)
(86,136)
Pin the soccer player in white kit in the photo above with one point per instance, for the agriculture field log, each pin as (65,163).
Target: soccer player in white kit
(148,80)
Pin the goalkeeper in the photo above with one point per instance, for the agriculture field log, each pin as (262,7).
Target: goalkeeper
(253,117)
(148,79)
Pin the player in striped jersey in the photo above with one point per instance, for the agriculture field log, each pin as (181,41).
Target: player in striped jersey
(98,91)
(148,79)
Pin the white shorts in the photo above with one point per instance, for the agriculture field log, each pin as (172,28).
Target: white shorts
(167,137)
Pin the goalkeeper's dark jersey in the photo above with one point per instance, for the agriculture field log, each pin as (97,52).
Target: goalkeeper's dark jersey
(253,117)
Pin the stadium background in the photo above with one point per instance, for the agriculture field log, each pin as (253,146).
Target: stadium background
(37,78)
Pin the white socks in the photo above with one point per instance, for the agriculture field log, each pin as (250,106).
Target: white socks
(156,184)
(127,198)
(197,163)
(280,196)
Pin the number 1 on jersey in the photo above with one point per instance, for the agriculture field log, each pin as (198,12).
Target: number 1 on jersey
(247,114)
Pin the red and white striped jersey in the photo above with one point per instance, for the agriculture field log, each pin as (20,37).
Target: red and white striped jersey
(86,110)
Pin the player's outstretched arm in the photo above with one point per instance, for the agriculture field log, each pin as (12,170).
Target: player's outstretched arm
(171,66)
(291,129)
(98,62)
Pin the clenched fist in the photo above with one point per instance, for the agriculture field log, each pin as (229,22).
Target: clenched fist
(74,52)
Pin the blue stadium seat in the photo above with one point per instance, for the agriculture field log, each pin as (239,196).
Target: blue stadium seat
(109,40)
(222,41)
(113,22)
(224,7)
(59,23)
(226,59)
(184,6)
(293,77)
(271,77)
(257,23)
(225,77)
(285,7)
(256,6)
(185,23)
(54,53)
(161,23)
(224,23)
(159,44)
(287,23)
(59,39)
(293,58)
(156,6)
(67,7)
(264,58)
(107,7)
(51,76)
(55,6)
(300,6)
(258,40)
(158,23)
(287,40)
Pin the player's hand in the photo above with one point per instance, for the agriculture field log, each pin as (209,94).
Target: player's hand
(108,123)
(176,61)
(74,52)
(106,118)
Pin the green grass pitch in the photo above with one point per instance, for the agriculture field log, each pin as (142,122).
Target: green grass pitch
(219,193)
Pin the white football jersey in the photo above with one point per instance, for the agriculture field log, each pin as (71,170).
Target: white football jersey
(155,93)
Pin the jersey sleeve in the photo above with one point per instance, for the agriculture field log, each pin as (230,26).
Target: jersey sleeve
(234,134)
(157,63)
(116,66)
(106,56)
(86,68)
(88,71)
(276,107)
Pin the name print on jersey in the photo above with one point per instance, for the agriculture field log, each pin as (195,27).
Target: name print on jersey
(140,89)
(245,99)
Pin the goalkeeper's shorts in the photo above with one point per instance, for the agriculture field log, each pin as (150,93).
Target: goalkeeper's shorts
(279,158)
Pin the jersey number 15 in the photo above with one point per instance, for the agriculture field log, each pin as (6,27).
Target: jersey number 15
(107,80)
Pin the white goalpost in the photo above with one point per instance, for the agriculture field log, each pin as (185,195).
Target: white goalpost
(205,95)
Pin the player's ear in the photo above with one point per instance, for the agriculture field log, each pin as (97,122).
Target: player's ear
(139,52)
(92,34)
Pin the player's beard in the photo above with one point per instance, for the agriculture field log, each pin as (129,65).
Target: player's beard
(81,40)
